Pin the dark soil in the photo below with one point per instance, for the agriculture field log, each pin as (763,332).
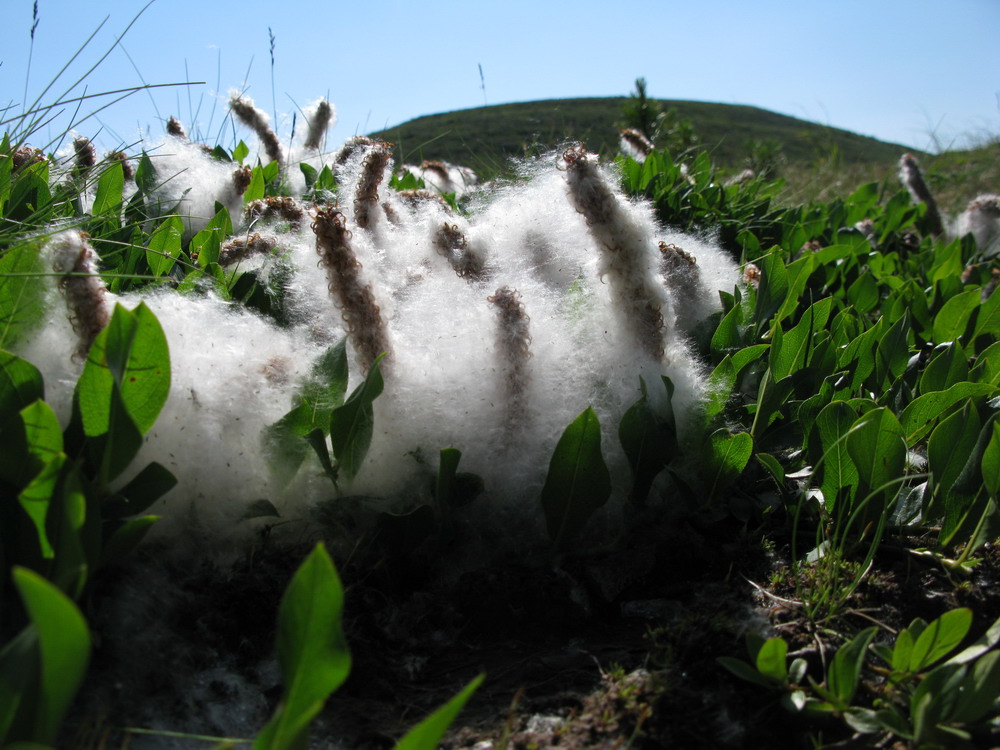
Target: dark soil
(614,648)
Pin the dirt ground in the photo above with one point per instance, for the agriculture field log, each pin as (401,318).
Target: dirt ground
(605,649)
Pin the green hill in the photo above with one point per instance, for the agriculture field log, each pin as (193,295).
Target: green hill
(485,137)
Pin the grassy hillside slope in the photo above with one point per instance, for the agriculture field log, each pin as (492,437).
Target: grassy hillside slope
(484,137)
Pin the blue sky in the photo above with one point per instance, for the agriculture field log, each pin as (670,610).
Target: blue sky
(923,73)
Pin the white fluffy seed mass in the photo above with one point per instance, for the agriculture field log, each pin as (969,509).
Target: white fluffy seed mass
(235,372)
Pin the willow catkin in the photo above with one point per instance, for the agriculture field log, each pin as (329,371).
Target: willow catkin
(85,157)
(362,317)
(274,207)
(25,156)
(465,258)
(119,156)
(683,280)
(913,179)
(175,129)
(514,350)
(257,121)
(241,248)
(352,146)
(319,123)
(366,198)
(639,297)
(82,287)
(634,144)
(981,219)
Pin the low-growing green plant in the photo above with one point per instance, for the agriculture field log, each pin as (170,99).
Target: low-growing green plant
(908,690)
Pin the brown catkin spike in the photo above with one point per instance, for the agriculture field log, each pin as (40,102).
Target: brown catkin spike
(127,172)
(82,287)
(319,124)
(911,177)
(273,207)
(635,144)
(639,296)
(175,128)
(242,177)
(452,244)
(514,350)
(256,120)
(351,146)
(362,316)
(417,198)
(240,248)
(366,193)
(85,156)
(981,219)
(26,155)
(683,280)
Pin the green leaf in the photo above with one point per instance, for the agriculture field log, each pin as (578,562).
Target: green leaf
(893,352)
(144,489)
(772,291)
(949,447)
(145,175)
(20,385)
(312,651)
(845,669)
(309,173)
(18,661)
(649,442)
(730,454)
(126,538)
(983,644)
(22,292)
(578,481)
(324,390)
(64,647)
(108,199)
(863,294)
(938,638)
(948,367)
(796,345)
(980,690)
(987,366)
(165,246)
(36,499)
(988,320)
(352,423)
(241,152)
(744,671)
(256,189)
(262,508)
(42,431)
(428,733)
(991,463)
(130,355)
(951,321)
(918,417)
(877,447)
(206,244)
(771,660)
(837,469)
